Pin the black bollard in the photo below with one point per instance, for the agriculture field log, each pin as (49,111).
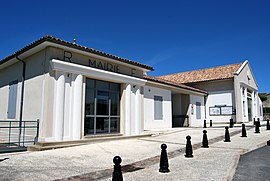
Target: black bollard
(164,164)
(254,121)
(204,124)
(189,151)
(268,142)
(231,123)
(258,119)
(257,127)
(205,140)
(267,125)
(117,172)
(244,132)
(227,135)
(211,124)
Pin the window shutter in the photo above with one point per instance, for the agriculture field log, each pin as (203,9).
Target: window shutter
(12,100)
(158,108)
(198,110)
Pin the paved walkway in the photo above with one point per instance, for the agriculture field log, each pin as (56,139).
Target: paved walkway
(258,170)
(140,158)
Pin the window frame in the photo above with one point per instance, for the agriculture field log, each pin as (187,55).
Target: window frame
(158,107)
(198,110)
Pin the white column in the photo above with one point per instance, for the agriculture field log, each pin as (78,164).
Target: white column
(77,106)
(59,106)
(127,109)
(242,105)
(246,105)
(138,111)
(253,106)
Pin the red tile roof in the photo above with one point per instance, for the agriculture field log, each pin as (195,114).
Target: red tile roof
(171,83)
(209,74)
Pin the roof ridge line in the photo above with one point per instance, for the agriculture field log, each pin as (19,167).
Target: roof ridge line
(200,69)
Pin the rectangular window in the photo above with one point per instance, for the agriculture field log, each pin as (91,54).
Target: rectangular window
(12,100)
(244,108)
(198,110)
(158,110)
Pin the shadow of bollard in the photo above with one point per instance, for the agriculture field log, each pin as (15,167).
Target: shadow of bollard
(227,135)
(3,159)
(117,171)
(164,164)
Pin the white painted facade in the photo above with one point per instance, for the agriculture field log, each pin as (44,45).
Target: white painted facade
(149,121)
(216,99)
(195,109)
(246,92)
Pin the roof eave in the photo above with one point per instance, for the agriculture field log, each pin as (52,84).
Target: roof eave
(209,80)
(178,86)
(57,41)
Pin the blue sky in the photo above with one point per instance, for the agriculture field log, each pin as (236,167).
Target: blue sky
(172,36)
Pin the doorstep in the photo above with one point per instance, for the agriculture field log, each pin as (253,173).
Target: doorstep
(40,146)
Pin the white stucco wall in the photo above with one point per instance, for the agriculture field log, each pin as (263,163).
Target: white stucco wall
(194,122)
(260,109)
(9,74)
(33,89)
(214,86)
(220,98)
(220,92)
(149,121)
(4,102)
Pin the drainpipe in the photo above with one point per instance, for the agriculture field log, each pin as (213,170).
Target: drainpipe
(22,97)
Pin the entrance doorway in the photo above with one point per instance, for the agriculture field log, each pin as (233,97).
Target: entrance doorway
(102,107)
(249,109)
(180,104)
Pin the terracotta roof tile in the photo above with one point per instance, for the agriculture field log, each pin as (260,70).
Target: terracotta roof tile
(175,84)
(215,73)
(59,41)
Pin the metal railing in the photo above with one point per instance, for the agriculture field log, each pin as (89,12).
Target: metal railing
(19,133)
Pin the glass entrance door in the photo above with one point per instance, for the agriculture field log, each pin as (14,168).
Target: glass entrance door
(102,109)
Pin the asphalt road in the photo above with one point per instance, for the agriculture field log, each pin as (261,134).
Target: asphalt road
(254,165)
